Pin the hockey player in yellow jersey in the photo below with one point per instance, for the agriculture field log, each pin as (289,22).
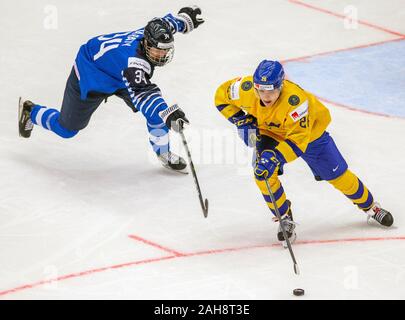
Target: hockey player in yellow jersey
(284,122)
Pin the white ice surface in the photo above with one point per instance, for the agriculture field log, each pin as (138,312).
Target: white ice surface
(67,208)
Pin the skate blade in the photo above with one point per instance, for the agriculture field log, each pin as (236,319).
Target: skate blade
(183,171)
(20,109)
(292,240)
(374,223)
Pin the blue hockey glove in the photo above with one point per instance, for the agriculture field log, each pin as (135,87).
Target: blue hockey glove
(266,165)
(247,129)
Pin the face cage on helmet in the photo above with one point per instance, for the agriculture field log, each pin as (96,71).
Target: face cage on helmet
(158,61)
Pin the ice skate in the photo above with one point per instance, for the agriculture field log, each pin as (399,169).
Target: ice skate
(382,216)
(25,124)
(173,162)
(289,226)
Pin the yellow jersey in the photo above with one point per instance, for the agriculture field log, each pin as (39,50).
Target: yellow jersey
(296,118)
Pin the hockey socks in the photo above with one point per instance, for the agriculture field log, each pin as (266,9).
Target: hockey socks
(279,195)
(48,119)
(159,138)
(351,186)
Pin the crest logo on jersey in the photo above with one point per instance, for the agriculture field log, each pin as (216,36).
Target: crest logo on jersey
(294,100)
(247,85)
(264,78)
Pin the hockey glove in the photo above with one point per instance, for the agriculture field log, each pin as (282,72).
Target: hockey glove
(189,16)
(266,165)
(174,118)
(247,129)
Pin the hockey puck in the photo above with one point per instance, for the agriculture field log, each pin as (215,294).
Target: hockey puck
(298,292)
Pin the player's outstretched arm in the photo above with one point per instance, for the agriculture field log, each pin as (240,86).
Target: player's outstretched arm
(187,19)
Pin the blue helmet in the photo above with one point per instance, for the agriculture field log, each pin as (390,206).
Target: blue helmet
(269,75)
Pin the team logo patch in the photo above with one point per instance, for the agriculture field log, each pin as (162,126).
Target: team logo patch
(264,78)
(294,100)
(299,112)
(247,85)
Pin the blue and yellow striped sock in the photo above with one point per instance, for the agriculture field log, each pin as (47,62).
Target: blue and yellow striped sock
(351,186)
(279,194)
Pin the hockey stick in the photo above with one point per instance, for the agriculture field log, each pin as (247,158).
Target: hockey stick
(273,200)
(204,203)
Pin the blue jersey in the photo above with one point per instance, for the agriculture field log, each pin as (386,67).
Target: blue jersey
(115,61)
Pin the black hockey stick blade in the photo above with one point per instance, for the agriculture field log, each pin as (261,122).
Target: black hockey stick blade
(205,208)
(296,269)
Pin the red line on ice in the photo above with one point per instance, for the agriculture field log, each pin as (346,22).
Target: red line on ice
(185,255)
(361,110)
(177,254)
(368,24)
(153,244)
(303,58)
(82,274)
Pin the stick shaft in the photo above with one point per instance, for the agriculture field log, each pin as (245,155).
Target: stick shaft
(204,204)
(278,215)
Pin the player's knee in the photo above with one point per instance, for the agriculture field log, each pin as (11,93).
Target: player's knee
(63,132)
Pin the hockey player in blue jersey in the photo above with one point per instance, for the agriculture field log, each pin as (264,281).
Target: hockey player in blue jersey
(120,64)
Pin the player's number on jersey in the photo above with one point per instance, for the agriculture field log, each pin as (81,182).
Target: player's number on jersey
(304,122)
(139,77)
(109,43)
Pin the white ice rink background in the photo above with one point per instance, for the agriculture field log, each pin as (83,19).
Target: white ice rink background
(96,217)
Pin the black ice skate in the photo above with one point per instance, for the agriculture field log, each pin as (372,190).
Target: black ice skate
(382,216)
(25,124)
(289,226)
(173,162)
